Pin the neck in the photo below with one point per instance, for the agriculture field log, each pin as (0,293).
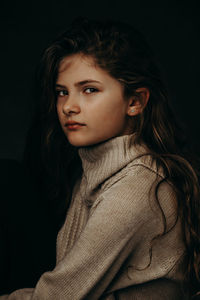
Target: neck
(101,161)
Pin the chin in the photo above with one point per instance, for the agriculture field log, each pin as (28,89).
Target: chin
(80,139)
(78,142)
(83,142)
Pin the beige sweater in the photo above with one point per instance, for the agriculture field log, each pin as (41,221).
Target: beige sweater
(103,246)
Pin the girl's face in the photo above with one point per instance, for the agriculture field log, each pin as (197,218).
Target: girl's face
(90,103)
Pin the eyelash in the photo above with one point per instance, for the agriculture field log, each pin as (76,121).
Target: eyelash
(65,93)
(91,88)
(58,93)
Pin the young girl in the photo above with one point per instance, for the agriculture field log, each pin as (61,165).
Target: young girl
(114,158)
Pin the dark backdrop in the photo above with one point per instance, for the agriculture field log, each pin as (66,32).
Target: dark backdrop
(28,225)
(171,27)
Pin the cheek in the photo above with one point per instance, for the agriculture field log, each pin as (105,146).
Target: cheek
(60,116)
(109,120)
(114,112)
(58,107)
(59,110)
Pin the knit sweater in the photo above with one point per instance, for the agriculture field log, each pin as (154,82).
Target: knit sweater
(105,245)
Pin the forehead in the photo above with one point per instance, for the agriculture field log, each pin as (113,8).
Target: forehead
(78,67)
(75,60)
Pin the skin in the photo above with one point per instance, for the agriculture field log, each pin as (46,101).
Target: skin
(89,96)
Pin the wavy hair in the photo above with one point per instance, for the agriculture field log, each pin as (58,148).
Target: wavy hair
(123,52)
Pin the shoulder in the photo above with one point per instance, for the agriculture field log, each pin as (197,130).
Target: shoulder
(133,190)
(141,170)
(136,180)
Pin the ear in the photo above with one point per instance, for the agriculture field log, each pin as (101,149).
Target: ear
(138,102)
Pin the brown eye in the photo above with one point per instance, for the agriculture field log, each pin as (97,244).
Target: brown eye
(61,93)
(90,90)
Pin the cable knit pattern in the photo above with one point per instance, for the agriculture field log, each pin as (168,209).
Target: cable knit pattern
(103,246)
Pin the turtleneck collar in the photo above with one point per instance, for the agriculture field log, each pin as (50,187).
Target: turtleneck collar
(101,161)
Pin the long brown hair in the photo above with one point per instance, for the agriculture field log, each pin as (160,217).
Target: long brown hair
(123,52)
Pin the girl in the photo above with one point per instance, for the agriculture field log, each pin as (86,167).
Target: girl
(114,158)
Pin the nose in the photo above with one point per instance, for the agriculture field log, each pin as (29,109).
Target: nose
(71,107)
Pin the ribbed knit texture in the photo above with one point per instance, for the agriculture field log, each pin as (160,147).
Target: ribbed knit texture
(103,246)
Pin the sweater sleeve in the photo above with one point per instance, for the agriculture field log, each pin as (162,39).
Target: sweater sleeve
(115,228)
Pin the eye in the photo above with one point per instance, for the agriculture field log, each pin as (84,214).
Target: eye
(90,90)
(61,93)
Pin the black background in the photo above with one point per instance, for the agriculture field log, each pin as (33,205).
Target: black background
(27,226)
(171,27)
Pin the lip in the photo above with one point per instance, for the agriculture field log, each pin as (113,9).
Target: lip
(73,125)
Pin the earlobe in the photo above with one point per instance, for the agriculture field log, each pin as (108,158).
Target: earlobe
(138,102)
(133,110)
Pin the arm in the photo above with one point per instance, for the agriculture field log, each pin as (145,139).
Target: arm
(164,289)
(123,213)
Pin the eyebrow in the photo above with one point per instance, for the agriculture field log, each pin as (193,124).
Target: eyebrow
(80,83)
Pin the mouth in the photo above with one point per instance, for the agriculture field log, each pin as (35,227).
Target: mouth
(72,125)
